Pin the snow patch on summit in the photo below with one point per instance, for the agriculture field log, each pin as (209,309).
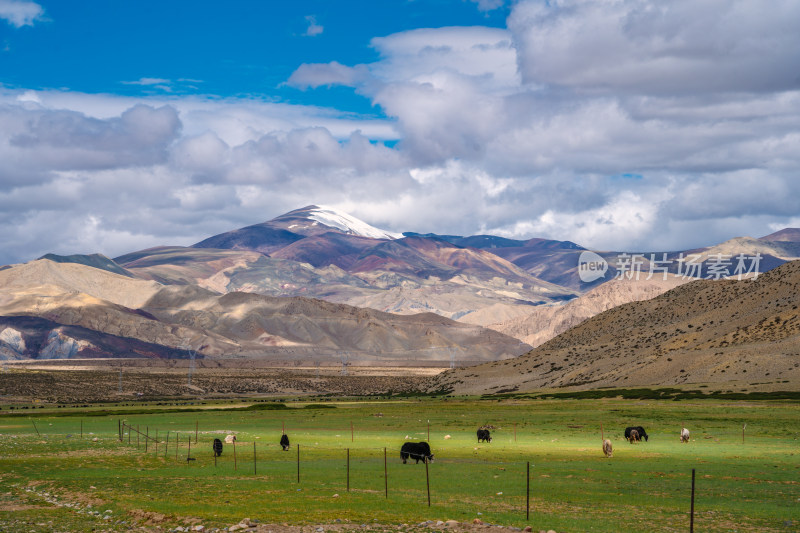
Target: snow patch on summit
(349,224)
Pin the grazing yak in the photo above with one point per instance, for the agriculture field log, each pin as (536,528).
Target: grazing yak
(483,435)
(217,447)
(230,439)
(639,429)
(684,435)
(607,448)
(420,451)
(633,436)
(284,442)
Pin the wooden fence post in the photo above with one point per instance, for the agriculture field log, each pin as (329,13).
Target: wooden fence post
(691,510)
(385,475)
(528,492)
(427,481)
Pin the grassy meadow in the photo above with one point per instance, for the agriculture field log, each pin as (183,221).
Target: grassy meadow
(50,478)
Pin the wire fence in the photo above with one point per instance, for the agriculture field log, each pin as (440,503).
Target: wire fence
(507,484)
(549,485)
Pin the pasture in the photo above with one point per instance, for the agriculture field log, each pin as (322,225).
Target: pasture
(753,485)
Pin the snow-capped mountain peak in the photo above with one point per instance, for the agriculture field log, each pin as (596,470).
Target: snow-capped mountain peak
(346,223)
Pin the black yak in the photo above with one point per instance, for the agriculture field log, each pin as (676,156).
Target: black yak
(420,451)
(639,429)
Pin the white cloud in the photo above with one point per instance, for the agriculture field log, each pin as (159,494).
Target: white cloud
(313,29)
(20,13)
(488,5)
(628,214)
(485,54)
(658,47)
(617,124)
(148,81)
(326,74)
(67,140)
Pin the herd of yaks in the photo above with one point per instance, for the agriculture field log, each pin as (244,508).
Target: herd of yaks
(635,434)
(421,451)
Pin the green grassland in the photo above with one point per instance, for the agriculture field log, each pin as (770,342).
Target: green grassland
(50,478)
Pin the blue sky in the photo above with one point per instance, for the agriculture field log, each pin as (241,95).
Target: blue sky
(244,49)
(616,124)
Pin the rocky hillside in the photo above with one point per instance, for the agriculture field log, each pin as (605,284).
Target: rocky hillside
(87,312)
(545,322)
(723,334)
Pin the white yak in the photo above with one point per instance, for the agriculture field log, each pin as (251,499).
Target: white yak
(607,448)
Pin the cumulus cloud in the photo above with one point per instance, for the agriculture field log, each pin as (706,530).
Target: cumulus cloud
(111,174)
(20,13)
(67,140)
(617,124)
(699,102)
(657,47)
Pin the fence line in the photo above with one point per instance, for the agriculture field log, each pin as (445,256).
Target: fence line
(370,460)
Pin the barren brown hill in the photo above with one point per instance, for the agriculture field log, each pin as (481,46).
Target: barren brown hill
(545,322)
(34,277)
(726,334)
(236,324)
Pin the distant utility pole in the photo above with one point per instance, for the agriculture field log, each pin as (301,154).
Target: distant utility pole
(192,353)
(343,357)
(452,357)
(120,381)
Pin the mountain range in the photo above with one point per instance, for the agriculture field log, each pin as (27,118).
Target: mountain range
(53,310)
(317,282)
